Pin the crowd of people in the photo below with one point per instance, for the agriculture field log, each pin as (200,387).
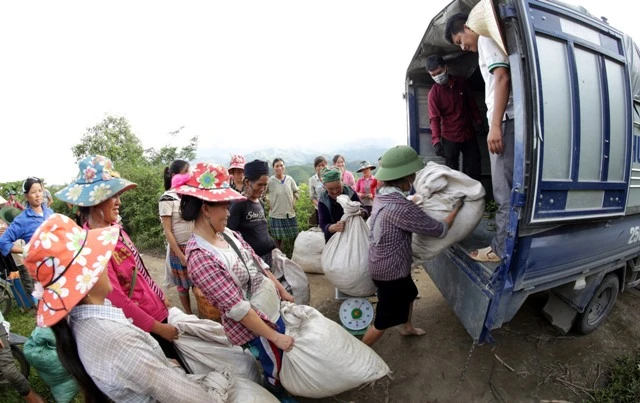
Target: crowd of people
(110,316)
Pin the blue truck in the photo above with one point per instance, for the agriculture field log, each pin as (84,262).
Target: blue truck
(574,225)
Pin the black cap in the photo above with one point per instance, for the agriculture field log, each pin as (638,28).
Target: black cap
(255,169)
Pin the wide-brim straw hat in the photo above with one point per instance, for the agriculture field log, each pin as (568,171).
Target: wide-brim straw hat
(364,165)
(482,20)
(97,181)
(65,262)
(398,162)
(209,182)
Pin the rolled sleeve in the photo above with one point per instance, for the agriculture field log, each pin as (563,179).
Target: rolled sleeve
(238,311)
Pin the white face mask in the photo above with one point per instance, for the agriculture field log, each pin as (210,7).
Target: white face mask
(441,78)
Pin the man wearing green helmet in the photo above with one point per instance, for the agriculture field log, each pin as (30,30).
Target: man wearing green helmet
(393,220)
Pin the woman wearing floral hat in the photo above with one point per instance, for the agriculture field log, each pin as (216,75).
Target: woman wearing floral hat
(111,359)
(24,225)
(97,191)
(393,220)
(236,170)
(230,274)
(176,230)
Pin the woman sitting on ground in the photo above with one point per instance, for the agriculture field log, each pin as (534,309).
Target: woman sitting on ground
(97,190)
(230,274)
(111,359)
(247,217)
(393,220)
(329,210)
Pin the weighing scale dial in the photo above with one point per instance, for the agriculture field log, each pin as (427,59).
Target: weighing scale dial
(356,313)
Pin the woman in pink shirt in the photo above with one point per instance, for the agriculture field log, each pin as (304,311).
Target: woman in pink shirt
(97,190)
(347,177)
(366,185)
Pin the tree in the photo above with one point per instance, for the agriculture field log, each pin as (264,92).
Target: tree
(112,138)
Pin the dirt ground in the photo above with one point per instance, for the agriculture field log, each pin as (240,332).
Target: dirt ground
(530,361)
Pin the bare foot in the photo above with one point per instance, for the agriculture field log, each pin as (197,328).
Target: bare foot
(414,331)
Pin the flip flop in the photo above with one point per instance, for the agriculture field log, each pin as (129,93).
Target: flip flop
(485,255)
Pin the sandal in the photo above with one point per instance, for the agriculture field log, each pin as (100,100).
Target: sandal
(485,255)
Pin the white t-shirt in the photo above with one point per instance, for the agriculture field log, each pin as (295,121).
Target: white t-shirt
(491,56)
(181,229)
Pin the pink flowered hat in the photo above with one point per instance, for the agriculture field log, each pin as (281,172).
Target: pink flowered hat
(237,161)
(209,182)
(97,181)
(65,262)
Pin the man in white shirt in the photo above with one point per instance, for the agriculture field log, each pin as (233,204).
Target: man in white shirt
(494,66)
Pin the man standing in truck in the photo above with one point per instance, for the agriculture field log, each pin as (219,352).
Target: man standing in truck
(454,118)
(494,66)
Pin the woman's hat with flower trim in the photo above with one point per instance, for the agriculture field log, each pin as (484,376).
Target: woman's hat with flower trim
(209,182)
(237,162)
(65,262)
(97,181)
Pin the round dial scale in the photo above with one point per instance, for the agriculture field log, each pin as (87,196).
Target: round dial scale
(356,313)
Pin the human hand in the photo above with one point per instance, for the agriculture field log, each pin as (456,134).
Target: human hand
(494,140)
(183,259)
(369,196)
(168,332)
(167,303)
(283,342)
(14,275)
(285,296)
(337,227)
(459,203)
(439,149)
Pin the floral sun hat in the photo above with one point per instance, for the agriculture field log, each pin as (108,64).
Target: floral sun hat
(96,182)
(65,262)
(209,182)
(237,162)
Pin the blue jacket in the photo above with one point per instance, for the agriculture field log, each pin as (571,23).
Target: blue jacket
(23,227)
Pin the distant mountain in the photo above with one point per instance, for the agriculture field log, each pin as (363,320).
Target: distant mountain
(299,162)
(353,154)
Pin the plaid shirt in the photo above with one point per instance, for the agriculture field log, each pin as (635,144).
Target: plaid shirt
(392,221)
(208,272)
(126,363)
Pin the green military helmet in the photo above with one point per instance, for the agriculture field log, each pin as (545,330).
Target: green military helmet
(398,162)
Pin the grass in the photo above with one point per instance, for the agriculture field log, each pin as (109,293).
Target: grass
(623,381)
(23,323)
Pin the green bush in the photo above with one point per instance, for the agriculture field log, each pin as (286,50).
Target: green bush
(623,382)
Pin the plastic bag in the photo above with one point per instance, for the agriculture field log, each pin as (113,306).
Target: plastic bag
(438,187)
(40,350)
(326,359)
(345,259)
(291,276)
(204,346)
(307,250)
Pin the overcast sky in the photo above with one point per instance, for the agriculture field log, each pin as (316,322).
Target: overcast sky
(250,74)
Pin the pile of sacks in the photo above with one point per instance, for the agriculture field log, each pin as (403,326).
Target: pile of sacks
(438,187)
(307,250)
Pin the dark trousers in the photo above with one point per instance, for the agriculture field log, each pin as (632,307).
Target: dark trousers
(169,349)
(470,156)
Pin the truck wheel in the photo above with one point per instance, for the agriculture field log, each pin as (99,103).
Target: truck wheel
(600,305)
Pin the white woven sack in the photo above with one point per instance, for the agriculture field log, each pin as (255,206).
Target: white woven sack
(438,187)
(307,250)
(244,391)
(345,259)
(326,359)
(204,346)
(292,277)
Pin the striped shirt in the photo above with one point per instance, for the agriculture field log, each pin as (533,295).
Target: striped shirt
(392,221)
(126,363)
